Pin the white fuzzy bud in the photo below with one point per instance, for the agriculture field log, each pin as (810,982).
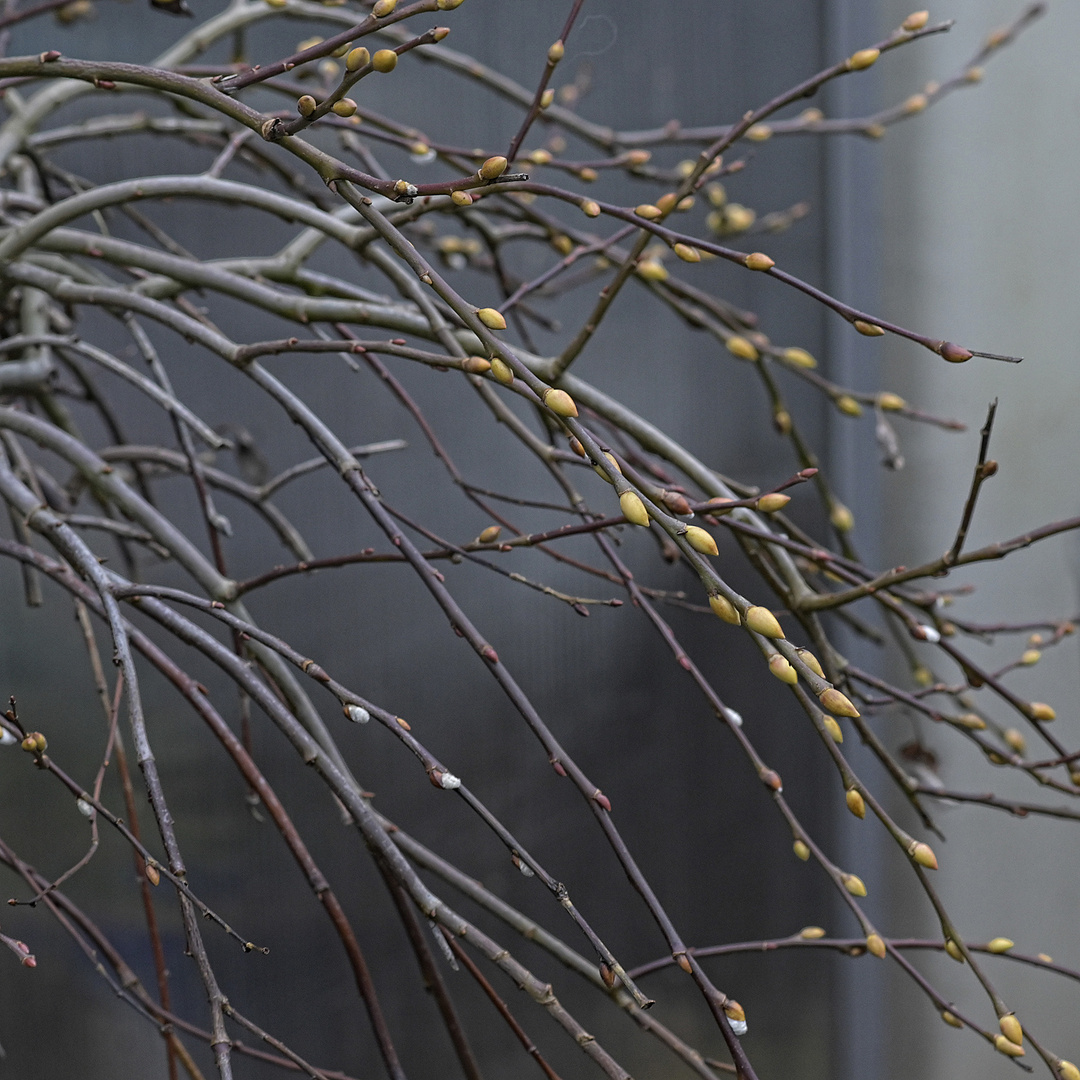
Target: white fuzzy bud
(357,715)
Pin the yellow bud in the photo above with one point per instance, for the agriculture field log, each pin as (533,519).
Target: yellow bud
(775,500)
(1014,740)
(762,621)
(476,365)
(724,609)
(833,701)
(590,208)
(799,357)
(915,21)
(1038,710)
(1067,1070)
(562,244)
(588,175)
(611,461)
(491,318)
(344,107)
(848,405)
(782,421)
(652,270)
(972,721)
(685,168)
(833,728)
(559,402)
(1031,656)
(306,105)
(308,43)
(780,667)
(973,74)
(842,519)
(686,203)
(490,534)
(924,855)
(759,133)
(1000,945)
(862,59)
(811,661)
(1008,1047)
(891,402)
(738,218)
(276,3)
(954,950)
(854,885)
(687,253)
(492,168)
(502,371)
(556,52)
(875,945)
(1046,958)
(801,850)
(547,97)
(449,5)
(461,198)
(738,346)
(915,104)
(633,509)
(540,157)
(357,59)
(666,202)
(716,193)
(734,1011)
(700,540)
(855,803)
(383,8)
(812,933)
(868,329)
(385,60)
(950,1019)
(758,261)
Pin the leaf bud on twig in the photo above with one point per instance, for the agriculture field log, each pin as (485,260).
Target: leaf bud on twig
(1000,945)
(841,518)
(633,509)
(759,132)
(875,944)
(890,402)
(614,464)
(501,371)
(153,875)
(801,850)
(739,346)
(780,667)
(833,701)
(491,318)
(357,59)
(915,104)
(357,714)
(833,728)
(868,329)
(955,354)
(590,208)
(687,253)
(476,365)
(855,802)
(812,933)
(773,501)
(1039,710)
(306,105)
(954,950)
(344,107)
(972,721)
(758,261)
(490,534)
(848,405)
(384,61)
(811,661)
(652,270)
(799,357)
(950,1019)
(1008,1047)
(559,402)
(923,854)
(461,198)
(864,58)
(854,884)
(1067,1070)
(700,540)
(383,8)
(915,21)
(762,621)
(492,168)
(449,5)
(724,609)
